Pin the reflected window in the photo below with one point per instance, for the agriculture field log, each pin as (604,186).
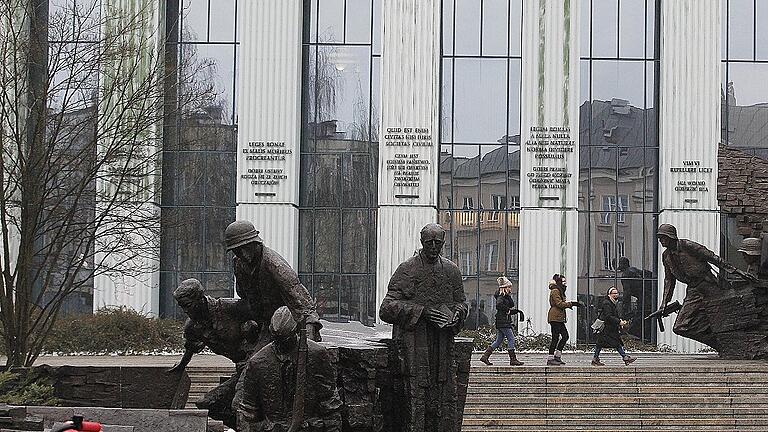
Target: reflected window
(480,149)
(492,256)
(618,162)
(339,157)
(607,255)
(199,147)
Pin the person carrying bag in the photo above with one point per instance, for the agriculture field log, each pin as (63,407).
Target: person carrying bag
(610,335)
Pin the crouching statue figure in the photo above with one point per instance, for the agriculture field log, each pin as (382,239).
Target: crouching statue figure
(290,384)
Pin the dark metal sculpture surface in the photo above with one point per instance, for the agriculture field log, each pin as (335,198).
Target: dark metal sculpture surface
(225,327)
(729,311)
(425,303)
(281,394)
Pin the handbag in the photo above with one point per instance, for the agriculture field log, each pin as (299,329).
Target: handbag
(598,325)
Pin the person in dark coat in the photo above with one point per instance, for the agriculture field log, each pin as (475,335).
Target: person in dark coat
(504,313)
(610,335)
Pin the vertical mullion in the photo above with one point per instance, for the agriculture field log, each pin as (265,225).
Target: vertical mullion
(618,29)
(208,23)
(372,168)
(754,30)
(482,9)
(344,27)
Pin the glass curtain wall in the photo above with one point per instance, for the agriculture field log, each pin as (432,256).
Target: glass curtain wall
(618,183)
(339,156)
(199,147)
(73,36)
(744,98)
(479,180)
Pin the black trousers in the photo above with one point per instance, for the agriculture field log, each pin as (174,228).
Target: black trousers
(559,337)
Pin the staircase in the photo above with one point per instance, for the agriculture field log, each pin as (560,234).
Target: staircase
(205,379)
(700,396)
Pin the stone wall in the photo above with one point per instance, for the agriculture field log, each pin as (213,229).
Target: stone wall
(115,386)
(742,189)
(129,419)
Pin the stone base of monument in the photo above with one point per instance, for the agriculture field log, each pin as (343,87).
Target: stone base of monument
(369,381)
(127,420)
(739,318)
(114,387)
(18,419)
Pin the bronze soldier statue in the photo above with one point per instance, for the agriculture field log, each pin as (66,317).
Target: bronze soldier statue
(425,303)
(689,262)
(276,375)
(266,281)
(751,250)
(224,326)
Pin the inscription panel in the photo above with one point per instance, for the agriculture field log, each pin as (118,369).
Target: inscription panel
(550,151)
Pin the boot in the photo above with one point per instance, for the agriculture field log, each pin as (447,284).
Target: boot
(628,359)
(596,362)
(486,356)
(558,358)
(554,362)
(513,361)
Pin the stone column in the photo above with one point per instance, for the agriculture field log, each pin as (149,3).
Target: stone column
(689,132)
(269,113)
(410,117)
(549,165)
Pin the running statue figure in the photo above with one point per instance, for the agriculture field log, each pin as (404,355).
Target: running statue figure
(689,262)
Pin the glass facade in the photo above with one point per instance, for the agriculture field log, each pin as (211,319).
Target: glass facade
(744,100)
(479,178)
(339,156)
(199,147)
(618,173)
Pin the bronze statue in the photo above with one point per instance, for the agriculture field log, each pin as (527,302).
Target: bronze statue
(751,250)
(689,262)
(425,303)
(266,281)
(276,375)
(224,326)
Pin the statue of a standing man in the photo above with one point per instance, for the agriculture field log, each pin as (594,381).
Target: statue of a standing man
(425,303)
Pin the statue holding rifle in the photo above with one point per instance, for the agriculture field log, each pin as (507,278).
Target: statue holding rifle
(691,263)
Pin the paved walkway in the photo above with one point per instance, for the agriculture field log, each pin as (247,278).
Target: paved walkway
(578,359)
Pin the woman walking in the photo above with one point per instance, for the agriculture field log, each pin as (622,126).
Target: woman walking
(504,313)
(556,318)
(610,335)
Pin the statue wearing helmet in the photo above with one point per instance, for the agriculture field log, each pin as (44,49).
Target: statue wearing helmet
(266,281)
(691,263)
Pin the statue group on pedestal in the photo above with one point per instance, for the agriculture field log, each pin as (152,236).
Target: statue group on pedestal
(284,380)
(260,333)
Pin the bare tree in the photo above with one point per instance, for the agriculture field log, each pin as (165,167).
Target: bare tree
(81,116)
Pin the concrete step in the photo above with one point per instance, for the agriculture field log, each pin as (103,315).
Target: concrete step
(609,423)
(637,411)
(617,401)
(607,389)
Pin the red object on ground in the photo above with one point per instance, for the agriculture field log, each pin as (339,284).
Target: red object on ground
(90,427)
